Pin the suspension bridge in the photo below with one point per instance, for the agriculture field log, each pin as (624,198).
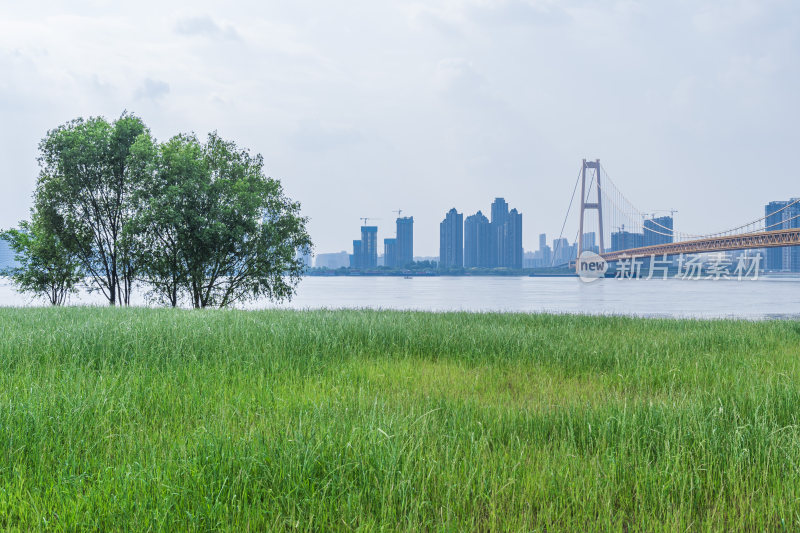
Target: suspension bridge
(637,234)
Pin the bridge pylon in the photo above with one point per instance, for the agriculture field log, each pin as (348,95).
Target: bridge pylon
(597,205)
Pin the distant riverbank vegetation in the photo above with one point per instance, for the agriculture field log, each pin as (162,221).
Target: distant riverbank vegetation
(166,420)
(189,222)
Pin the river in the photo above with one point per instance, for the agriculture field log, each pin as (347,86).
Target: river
(764,298)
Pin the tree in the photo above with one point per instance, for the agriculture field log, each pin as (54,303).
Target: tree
(161,172)
(86,179)
(215,226)
(47,267)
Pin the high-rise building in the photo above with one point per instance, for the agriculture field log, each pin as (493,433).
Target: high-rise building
(513,255)
(6,255)
(793,221)
(356,257)
(545,253)
(369,246)
(624,240)
(530,259)
(775,212)
(405,241)
(499,240)
(590,242)
(506,235)
(782,215)
(332,260)
(658,230)
(365,250)
(477,241)
(562,252)
(451,241)
(499,210)
(390,252)
(305,258)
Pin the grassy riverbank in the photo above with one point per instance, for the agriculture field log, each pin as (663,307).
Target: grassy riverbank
(159,419)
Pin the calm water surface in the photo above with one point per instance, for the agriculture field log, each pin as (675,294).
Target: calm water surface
(763,298)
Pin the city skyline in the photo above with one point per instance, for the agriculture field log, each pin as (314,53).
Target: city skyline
(475,241)
(459,238)
(652,229)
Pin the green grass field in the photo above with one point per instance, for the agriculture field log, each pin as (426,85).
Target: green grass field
(141,419)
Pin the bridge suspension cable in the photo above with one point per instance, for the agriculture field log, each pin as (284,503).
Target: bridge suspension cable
(564,224)
(625,209)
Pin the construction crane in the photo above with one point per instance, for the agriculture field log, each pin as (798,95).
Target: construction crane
(398,211)
(367,218)
(670,211)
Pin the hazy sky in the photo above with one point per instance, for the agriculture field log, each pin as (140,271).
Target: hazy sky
(364,107)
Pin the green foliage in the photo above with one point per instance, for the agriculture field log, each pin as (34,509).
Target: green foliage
(197,223)
(136,419)
(46,266)
(212,226)
(422,265)
(164,173)
(85,178)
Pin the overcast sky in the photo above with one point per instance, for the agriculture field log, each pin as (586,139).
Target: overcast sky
(364,107)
